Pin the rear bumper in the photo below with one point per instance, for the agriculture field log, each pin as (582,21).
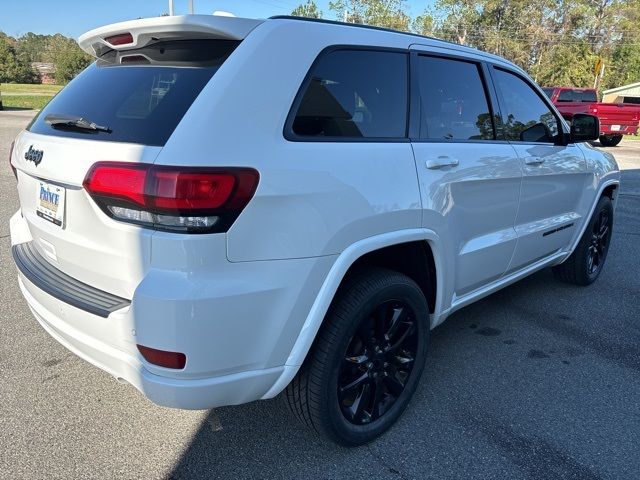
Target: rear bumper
(236,324)
(199,393)
(618,129)
(62,286)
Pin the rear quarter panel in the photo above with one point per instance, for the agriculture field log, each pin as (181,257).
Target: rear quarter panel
(314,198)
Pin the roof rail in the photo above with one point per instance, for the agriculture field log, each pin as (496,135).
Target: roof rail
(390,30)
(360,25)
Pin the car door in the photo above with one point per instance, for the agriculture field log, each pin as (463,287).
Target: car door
(554,172)
(469,180)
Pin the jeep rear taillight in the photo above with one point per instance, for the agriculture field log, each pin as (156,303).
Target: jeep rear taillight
(178,199)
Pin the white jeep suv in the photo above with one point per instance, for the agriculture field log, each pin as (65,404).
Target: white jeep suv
(219,209)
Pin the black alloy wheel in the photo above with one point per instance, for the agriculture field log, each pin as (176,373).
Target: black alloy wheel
(378,362)
(599,245)
(367,358)
(585,264)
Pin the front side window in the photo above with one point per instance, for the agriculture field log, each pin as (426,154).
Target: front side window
(525,117)
(453,103)
(355,94)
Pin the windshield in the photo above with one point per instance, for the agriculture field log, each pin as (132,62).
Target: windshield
(139,95)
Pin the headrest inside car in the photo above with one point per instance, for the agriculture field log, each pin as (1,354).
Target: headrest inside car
(324,99)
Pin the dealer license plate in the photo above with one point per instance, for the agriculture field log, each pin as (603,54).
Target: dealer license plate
(50,203)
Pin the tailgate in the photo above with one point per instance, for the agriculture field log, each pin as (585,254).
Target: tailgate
(87,245)
(122,108)
(618,114)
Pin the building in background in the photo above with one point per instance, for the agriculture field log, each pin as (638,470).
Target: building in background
(46,71)
(625,94)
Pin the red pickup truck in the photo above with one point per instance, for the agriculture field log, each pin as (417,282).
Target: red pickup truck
(616,119)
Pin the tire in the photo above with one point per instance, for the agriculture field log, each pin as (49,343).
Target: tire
(584,265)
(610,140)
(343,366)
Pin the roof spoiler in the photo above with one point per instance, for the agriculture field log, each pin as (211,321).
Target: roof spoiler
(138,33)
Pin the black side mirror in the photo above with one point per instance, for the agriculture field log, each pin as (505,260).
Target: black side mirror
(584,128)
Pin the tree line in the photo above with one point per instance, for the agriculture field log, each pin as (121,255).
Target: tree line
(17,54)
(559,42)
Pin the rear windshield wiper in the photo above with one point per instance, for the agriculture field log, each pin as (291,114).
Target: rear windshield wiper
(72,121)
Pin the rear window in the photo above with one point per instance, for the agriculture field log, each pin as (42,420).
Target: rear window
(577,96)
(140,95)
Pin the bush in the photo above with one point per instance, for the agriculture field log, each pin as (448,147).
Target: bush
(13,68)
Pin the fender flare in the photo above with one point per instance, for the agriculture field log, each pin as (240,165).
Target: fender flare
(333,280)
(601,189)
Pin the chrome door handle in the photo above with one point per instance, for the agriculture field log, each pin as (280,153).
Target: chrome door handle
(442,161)
(533,160)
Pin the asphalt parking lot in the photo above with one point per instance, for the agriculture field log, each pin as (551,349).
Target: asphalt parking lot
(540,380)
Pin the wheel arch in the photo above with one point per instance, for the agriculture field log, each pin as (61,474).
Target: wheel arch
(413,259)
(607,188)
(376,251)
(609,191)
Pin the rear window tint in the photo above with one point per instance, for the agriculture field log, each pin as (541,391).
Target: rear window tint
(140,95)
(577,96)
(355,94)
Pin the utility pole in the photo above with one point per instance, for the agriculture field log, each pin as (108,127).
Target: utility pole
(171,10)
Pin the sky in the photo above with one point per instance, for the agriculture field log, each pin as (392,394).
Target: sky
(74,17)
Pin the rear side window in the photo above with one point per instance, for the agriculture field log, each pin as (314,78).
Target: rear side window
(354,94)
(140,95)
(525,116)
(453,103)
